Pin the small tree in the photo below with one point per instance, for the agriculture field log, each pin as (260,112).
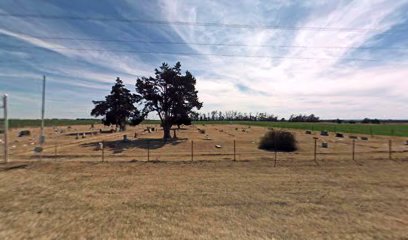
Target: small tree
(278,141)
(118,107)
(170,94)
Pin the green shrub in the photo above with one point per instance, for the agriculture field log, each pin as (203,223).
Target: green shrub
(281,140)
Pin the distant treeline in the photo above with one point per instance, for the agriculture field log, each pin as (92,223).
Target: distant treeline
(242,116)
(365,121)
(266,117)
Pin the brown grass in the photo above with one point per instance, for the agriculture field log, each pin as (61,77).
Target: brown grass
(205,200)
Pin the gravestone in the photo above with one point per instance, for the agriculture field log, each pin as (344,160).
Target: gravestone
(24,133)
(38,149)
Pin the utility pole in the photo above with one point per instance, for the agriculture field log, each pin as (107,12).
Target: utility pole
(42,137)
(5,128)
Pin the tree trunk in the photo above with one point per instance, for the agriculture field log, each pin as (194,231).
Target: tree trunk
(166,131)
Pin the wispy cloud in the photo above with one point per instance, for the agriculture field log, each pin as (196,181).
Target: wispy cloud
(288,77)
(310,76)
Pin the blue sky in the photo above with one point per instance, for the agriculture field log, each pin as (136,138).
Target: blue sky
(336,59)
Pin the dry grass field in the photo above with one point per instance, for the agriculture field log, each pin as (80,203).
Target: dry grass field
(67,193)
(204,200)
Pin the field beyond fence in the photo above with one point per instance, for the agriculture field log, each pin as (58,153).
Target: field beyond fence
(386,129)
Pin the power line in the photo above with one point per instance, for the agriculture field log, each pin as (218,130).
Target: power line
(206,44)
(188,23)
(181,53)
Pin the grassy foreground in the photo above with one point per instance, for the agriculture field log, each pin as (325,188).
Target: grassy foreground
(205,200)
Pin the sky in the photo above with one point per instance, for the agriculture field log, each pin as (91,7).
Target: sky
(336,59)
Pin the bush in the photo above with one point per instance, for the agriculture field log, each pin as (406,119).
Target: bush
(283,141)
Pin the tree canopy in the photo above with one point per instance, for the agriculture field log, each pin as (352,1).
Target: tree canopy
(170,94)
(118,108)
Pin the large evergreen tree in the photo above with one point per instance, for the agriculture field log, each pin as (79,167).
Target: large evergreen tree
(118,108)
(170,94)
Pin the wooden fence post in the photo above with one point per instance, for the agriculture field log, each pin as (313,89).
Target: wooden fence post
(354,149)
(148,150)
(192,150)
(55,152)
(315,151)
(390,149)
(275,148)
(234,151)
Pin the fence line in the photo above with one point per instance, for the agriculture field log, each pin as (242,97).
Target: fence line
(230,150)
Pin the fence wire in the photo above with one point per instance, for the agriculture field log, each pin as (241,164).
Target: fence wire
(63,146)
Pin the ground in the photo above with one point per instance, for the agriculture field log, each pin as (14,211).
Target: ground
(68,193)
(205,200)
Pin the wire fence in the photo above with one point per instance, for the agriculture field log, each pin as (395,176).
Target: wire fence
(91,147)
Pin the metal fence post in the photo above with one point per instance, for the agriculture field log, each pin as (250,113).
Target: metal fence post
(315,150)
(103,151)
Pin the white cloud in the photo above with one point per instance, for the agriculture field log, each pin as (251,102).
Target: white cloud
(284,85)
(287,78)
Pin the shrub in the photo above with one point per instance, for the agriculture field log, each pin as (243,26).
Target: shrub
(283,141)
